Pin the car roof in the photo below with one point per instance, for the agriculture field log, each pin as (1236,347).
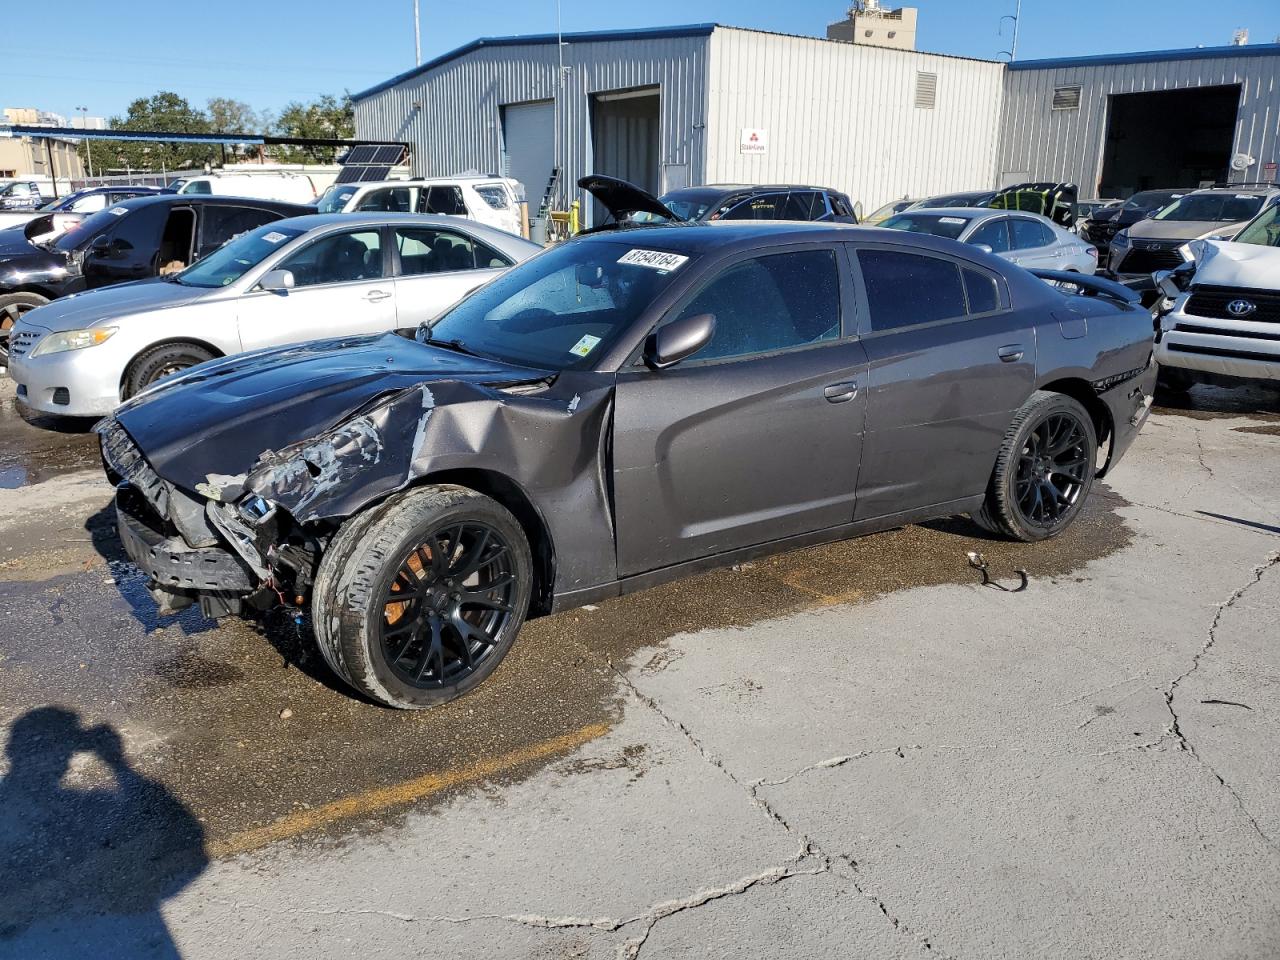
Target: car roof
(211,199)
(369,218)
(1260,189)
(728,189)
(727,235)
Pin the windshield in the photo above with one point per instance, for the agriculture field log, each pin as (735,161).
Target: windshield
(237,256)
(888,210)
(88,228)
(1265,230)
(563,308)
(335,198)
(1221,207)
(1150,200)
(686,208)
(936,224)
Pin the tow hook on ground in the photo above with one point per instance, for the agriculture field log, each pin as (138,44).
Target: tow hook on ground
(979,563)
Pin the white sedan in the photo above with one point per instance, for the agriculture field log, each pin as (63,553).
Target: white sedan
(305,278)
(1027,239)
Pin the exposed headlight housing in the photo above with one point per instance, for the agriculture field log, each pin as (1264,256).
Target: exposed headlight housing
(73,340)
(1121,239)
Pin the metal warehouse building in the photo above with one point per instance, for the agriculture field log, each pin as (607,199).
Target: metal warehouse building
(712,104)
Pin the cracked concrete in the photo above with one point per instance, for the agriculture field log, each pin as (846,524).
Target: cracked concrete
(1082,769)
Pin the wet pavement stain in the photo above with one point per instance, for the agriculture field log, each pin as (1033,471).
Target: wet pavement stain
(190,671)
(1270,430)
(1208,402)
(34,448)
(211,695)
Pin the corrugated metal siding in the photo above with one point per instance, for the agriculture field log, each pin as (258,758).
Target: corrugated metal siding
(844,116)
(1049,144)
(457,126)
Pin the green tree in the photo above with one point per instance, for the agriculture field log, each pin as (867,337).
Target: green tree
(168,113)
(236,116)
(328,117)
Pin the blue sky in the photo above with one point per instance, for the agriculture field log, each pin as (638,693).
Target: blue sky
(267,53)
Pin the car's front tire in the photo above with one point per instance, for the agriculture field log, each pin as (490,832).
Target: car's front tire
(160,362)
(1044,470)
(13,306)
(1175,379)
(418,600)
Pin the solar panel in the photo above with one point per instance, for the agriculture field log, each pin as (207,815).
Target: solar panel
(369,161)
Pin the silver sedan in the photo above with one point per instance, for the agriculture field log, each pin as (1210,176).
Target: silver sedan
(293,280)
(1027,239)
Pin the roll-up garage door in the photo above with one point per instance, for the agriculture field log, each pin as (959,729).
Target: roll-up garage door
(528,147)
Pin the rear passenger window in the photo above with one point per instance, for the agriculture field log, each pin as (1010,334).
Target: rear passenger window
(391,200)
(423,250)
(984,296)
(443,200)
(223,223)
(495,196)
(1028,234)
(906,289)
(803,205)
(771,303)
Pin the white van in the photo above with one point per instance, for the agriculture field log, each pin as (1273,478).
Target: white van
(289,187)
(493,201)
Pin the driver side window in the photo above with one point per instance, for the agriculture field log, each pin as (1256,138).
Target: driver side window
(770,303)
(994,233)
(338,258)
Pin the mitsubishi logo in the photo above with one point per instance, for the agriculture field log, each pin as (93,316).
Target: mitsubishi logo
(1241,308)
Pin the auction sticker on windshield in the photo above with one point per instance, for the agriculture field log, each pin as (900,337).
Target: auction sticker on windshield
(274,237)
(585,345)
(119,211)
(952,220)
(653,259)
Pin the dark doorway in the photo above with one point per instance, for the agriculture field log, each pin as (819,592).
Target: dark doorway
(1172,138)
(625,139)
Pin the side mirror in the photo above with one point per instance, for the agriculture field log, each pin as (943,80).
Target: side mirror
(857,210)
(100,246)
(277,281)
(682,337)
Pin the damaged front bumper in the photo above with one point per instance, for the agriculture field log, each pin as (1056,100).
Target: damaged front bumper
(190,549)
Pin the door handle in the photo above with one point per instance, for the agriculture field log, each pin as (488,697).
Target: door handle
(373,296)
(1011,352)
(841,392)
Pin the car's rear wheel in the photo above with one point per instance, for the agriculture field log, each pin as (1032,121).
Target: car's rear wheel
(419,600)
(160,362)
(13,306)
(1044,470)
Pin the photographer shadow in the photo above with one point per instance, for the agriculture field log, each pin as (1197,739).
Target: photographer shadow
(85,871)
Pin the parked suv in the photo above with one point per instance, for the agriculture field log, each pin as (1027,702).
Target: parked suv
(1217,213)
(1101,226)
(1226,327)
(133,240)
(488,200)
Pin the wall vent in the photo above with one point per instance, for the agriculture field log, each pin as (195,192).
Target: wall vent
(926,90)
(1066,98)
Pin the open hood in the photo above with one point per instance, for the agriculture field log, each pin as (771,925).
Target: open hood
(1224,263)
(623,199)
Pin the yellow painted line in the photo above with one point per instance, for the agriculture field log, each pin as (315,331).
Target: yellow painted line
(398,794)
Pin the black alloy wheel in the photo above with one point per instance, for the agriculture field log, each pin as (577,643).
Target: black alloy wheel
(450,601)
(1053,469)
(1043,470)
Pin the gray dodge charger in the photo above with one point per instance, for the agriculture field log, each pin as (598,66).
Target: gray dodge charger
(635,405)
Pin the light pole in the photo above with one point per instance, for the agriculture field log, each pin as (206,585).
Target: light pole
(88,149)
(417,37)
(1016,17)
